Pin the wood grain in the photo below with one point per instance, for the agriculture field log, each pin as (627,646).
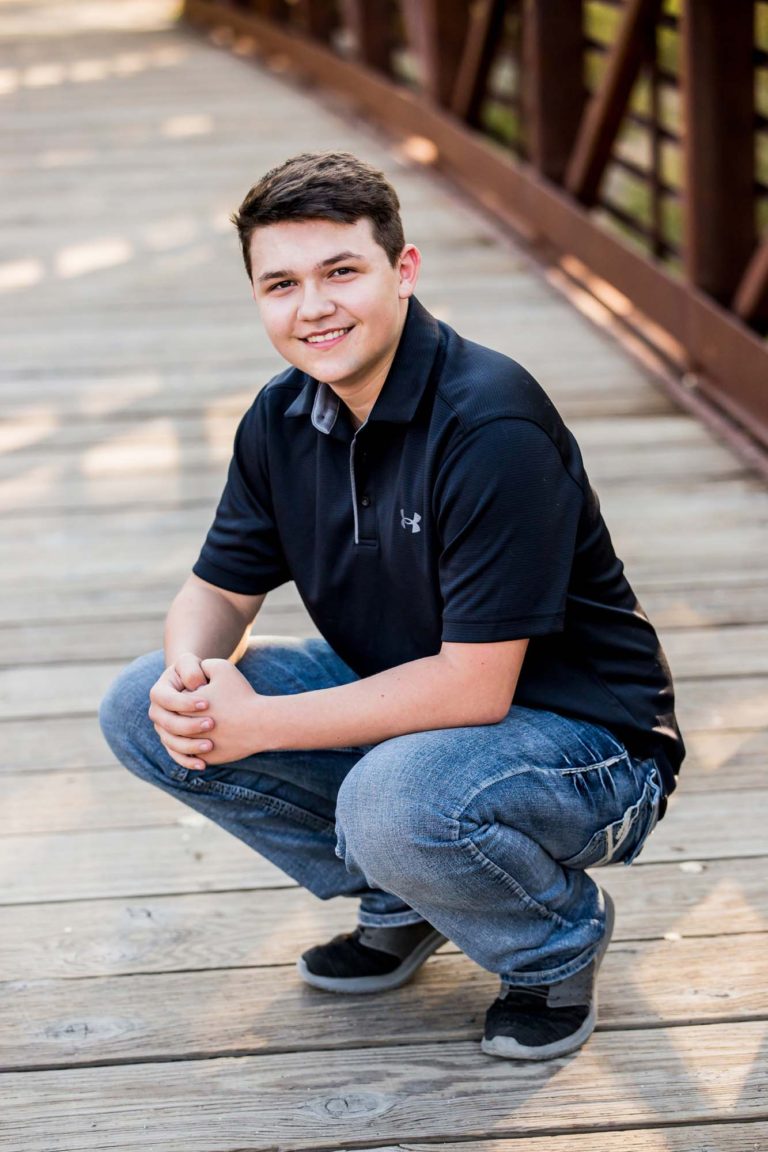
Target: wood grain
(265,926)
(60,1023)
(390,1095)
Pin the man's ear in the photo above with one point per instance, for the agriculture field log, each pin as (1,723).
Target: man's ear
(408,267)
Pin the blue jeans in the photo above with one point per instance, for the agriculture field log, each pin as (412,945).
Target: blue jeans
(485,831)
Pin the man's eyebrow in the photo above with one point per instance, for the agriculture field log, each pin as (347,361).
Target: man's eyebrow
(286,274)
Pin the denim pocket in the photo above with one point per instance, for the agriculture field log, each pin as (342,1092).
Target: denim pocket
(622,841)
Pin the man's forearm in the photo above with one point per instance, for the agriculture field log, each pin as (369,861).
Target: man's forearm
(425,694)
(205,623)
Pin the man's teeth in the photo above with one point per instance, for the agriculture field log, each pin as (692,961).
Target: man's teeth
(327,336)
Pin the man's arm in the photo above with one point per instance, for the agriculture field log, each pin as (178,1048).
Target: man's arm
(463,685)
(209,622)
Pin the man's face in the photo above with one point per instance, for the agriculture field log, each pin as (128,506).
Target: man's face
(331,302)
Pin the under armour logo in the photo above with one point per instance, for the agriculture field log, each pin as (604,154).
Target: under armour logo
(410,522)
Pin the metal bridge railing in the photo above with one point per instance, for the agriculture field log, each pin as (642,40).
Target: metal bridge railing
(630,135)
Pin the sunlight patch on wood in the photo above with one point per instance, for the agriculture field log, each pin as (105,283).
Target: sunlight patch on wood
(80,259)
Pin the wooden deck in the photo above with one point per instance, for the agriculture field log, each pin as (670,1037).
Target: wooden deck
(149,999)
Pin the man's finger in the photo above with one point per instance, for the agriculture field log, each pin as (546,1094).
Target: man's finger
(190,670)
(167,697)
(189,750)
(187,761)
(179,725)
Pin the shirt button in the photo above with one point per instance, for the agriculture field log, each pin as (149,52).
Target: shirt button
(366,501)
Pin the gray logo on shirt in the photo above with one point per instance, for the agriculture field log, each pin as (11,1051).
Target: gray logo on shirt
(411,522)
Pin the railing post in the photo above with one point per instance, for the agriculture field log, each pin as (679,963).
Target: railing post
(486,24)
(269,9)
(605,111)
(718,81)
(370,22)
(318,18)
(553,87)
(438,31)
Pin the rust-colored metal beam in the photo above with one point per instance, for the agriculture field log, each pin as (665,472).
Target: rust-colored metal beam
(751,299)
(731,360)
(371,24)
(271,9)
(486,24)
(438,30)
(718,86)
(605,111)
(553,87)
(317,17)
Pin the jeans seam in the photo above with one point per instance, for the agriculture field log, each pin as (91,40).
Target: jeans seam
(270,803)
(458,814)
(575,770)
(510,882)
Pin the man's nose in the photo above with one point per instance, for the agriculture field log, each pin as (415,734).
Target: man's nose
(315,303)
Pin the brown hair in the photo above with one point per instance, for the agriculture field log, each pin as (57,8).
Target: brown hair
(322,186)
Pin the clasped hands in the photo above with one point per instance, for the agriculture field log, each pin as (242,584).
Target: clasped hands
(205,712)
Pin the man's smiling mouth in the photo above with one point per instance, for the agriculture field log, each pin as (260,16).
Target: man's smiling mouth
(326,337)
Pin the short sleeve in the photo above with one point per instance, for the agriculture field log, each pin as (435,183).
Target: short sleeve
(507,512)
(242,551)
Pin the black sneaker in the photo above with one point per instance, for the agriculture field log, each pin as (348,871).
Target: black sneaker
(369,959)
(547,1020)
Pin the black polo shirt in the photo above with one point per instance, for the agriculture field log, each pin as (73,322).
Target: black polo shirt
(460,511)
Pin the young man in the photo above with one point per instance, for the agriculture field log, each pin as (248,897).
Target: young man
(489,712)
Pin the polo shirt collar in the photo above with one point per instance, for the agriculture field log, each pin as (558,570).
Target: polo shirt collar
(403,389)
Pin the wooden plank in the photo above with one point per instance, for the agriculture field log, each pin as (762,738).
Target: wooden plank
(103,601)
(120,639)
(235,929)
(705,606)
(196,856)
(193,857)
(718,760)
(726,651)
(62,799)
(737,504)
(162,544)
(441,1090)
(62,742)
(697,827)
(63,1023)
(43,691)
(740,650)
(735,601)
(721,761)
(69,801)
(722,704)
(727,1137)
(73,479)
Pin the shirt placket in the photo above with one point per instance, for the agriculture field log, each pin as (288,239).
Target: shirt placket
(362,496)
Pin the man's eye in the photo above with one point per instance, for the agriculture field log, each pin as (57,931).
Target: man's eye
(280,284)
(342,271)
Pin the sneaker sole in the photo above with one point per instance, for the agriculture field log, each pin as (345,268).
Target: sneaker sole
(509,1048)
(357,985)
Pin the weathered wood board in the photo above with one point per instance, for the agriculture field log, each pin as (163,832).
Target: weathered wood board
(390,1095)
(242,928)
(258,1010)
